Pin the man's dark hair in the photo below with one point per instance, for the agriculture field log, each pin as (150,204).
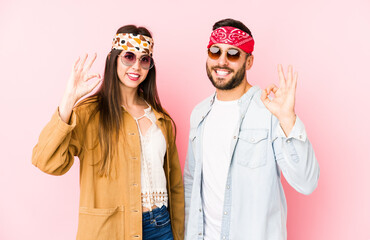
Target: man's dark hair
(232,23)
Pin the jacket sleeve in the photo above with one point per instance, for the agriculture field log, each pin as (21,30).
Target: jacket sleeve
(177,188)
(57,145)
(296,158)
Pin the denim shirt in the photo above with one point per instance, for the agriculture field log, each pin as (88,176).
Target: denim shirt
(254,204)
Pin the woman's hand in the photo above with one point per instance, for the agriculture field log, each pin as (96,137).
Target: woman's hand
(78,86)
(282,105)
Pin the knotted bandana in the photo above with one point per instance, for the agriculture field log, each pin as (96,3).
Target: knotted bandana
(232,36)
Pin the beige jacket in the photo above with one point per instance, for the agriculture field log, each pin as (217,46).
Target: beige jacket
(110,208)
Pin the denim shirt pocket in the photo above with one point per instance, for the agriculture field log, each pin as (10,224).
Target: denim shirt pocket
(251,149)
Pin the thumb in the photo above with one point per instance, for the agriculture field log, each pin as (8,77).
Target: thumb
(95,83)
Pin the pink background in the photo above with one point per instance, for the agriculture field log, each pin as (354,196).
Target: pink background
(326,41)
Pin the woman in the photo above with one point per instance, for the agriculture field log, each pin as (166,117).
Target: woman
(130,176)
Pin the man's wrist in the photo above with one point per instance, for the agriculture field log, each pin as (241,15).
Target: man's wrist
(287,123)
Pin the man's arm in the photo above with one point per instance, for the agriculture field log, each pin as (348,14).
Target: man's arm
(296,158)
(293,151)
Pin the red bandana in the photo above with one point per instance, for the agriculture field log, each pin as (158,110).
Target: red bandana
(232,36)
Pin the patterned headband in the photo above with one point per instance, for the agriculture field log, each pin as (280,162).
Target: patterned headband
(232,36)
(133,42)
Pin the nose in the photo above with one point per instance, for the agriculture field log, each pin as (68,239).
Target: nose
(222,60)
(136,65)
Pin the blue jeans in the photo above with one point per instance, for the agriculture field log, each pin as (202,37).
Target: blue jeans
(157,225)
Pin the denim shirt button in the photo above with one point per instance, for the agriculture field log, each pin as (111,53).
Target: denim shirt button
(225,213)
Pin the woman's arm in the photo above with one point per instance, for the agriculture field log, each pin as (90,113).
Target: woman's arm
(58,142)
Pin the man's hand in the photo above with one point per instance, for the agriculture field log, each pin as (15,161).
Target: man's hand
(282,105)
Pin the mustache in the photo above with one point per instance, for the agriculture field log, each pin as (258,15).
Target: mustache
(222,68)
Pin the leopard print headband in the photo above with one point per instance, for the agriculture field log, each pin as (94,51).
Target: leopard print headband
(133,42)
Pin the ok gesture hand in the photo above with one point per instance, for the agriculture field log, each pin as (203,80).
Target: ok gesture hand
(282,105)
(78,86)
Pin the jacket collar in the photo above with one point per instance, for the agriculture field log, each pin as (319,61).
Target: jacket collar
(158,115)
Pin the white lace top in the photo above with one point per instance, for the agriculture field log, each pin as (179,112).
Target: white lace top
(153,150)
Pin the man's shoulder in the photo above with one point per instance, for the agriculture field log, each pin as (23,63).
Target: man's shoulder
(257,113)
(256,101)
(204,104)
(200,109)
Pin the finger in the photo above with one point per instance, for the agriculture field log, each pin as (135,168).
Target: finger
(83,62)
(264,94)
(295,78)
(96,75)
(282,81)
(95,83)
(75,65)
(264,97)
(91,62)
(272,88)
(289,80)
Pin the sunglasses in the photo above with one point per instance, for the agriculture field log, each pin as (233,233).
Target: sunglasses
(129,59)
(215,52)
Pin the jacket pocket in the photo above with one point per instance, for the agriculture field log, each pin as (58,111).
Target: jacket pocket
(251,150)
(101,223)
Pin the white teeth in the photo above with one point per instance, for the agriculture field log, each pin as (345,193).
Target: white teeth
(133,75)
(222,72)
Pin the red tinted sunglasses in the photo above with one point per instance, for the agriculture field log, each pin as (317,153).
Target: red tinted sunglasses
(129,59)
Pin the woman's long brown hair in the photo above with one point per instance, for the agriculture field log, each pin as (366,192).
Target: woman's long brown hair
(109,99)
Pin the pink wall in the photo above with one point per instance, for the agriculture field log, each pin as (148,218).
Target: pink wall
(326,41)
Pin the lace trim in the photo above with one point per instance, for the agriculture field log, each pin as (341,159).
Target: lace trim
(154,198)
(150,195)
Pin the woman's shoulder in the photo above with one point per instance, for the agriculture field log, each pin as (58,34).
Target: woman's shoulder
(160,113)
(168,121)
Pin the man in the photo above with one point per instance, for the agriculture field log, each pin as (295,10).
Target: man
(240,141)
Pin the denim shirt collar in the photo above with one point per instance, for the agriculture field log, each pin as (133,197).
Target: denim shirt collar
(242,102)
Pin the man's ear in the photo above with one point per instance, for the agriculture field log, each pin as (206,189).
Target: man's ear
(249,62)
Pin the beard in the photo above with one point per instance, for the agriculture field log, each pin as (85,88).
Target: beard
(235,81)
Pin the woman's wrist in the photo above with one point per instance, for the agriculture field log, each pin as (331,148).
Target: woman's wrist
(66,107)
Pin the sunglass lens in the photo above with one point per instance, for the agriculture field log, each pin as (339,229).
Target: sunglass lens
(129,58)
(233,54)
(214,52)
(146,62)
